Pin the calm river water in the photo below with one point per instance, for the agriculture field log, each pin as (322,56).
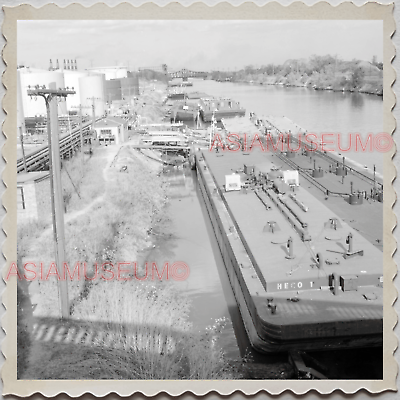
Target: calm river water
(192,239)
(318,111)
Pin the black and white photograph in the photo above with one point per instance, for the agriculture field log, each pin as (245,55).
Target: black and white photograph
(202,200)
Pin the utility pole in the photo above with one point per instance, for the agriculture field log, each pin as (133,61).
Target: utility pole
(80,107)
(21,118)
(93,99)
(50,96)
(212,130)
(21,137)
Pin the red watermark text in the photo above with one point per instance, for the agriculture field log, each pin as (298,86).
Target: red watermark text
(325,142)
(107,271)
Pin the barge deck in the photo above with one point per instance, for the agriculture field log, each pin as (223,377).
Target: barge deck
(306,268)
(219,109)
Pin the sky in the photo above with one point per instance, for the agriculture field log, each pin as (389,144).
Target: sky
(196,45)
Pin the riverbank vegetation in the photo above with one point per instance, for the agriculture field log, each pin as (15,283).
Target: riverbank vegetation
(319,72)
(149,105)
(118,329)
(137,330)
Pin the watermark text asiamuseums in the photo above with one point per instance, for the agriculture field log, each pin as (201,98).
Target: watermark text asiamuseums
(326,142)
(107,271)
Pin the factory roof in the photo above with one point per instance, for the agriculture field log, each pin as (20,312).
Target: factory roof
(37,176)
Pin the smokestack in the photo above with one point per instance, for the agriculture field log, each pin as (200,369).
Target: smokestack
(57,65)
(51,65)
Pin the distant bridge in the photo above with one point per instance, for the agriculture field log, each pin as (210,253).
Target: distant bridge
(185,74)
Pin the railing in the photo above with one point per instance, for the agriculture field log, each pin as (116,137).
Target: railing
(40,157)
(352,170)
(309,178)
(324,155)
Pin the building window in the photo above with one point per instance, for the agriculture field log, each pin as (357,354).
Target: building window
(106,132)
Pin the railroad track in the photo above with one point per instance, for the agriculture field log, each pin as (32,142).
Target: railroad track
(39,159)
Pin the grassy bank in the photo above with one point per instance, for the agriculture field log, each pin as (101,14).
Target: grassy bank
(118,329)
(139,330)
(109,214)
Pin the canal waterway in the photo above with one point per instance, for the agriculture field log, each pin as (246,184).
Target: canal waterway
(189,236)
(317,111)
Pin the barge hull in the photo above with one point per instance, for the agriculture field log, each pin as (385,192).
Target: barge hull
(207,116)
(185,116)
(230,246)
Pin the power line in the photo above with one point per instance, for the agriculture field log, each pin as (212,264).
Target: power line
(50,96)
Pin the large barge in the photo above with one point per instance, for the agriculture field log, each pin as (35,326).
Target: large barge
(302,246)
(187,111)
(219,109)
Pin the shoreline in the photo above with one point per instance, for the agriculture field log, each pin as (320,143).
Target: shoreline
(307,86)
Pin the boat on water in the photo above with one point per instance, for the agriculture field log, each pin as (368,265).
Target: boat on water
(301,239)
(164,157)
(180,84)
(186,111)
(196,95)
(165,140)
(188,108)
(221,108)
(176,95)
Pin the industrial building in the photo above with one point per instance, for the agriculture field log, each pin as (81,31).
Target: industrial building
(33,192)
(111,130)
(91,87)
(111,72)
(85,85)
(122,88)
(98,92)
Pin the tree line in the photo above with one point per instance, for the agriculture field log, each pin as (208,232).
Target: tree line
(325,71)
